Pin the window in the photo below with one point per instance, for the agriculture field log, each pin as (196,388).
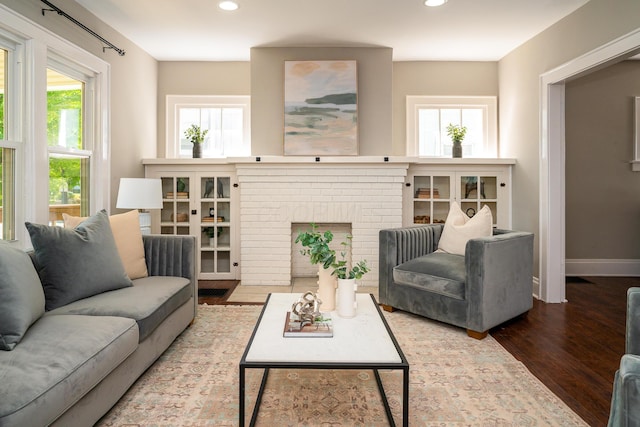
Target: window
(7,151)
(69,158)
(428,118)
(54,135)
(226,119)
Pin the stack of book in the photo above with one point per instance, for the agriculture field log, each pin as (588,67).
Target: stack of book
(209,219)
(425,193)
(320,328)
(178,195)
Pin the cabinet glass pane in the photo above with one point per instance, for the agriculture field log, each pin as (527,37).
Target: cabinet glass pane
(470,208)
(488,187)
(183,231)
(440,212)
(441,188)
(166,214)
(223,187)
(168,188)
(208,237)
(224,237)
(166,230)
(208,187)
(224,212)
(224,262)
(494,210)
(422,186)
(182,212)
(208,212)
(421,213)
(207,262)
(469,187)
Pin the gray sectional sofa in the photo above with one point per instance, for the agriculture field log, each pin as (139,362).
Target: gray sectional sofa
(76,361)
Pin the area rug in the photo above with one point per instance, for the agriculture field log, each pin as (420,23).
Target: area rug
(454,381)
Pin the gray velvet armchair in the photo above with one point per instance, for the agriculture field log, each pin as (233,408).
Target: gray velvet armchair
(489,285)
(625,400)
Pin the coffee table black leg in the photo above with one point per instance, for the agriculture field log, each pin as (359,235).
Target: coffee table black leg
(383,395)
(242,397)
(256,408)
(405,397)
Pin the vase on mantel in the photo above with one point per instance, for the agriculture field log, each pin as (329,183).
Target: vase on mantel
(197,150)
(457,149)
(347,298)
(326,289)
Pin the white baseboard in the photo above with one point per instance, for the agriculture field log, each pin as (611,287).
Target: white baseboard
(602,267)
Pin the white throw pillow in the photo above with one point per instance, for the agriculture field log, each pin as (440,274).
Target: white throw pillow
(459,228)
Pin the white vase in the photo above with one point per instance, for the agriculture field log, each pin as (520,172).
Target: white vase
(347,297)
(212,241)
(326,289)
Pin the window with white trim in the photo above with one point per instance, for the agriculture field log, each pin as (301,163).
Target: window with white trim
(226,119)
(429,116)
(54,138)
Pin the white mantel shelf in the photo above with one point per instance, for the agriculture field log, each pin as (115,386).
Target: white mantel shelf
(349,160)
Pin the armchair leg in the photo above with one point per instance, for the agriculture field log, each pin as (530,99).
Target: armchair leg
(477,335)
(388,308)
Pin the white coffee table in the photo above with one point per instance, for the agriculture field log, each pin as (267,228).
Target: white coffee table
(363,342)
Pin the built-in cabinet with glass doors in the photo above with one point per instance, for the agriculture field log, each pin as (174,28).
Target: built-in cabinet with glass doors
(429,191)
(203,204)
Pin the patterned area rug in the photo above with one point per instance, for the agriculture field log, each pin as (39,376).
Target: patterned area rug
(454,381)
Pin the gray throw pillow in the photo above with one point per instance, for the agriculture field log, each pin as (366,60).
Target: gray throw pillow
(77,263)
(21,295)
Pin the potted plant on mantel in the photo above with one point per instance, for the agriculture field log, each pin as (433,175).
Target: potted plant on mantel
(456,133)
(196,135)
(316,245)
(347,280)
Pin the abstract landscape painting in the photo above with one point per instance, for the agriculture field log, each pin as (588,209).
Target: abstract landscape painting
(320,108)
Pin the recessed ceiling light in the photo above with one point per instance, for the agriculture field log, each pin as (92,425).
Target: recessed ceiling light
(228,5)
(434,3)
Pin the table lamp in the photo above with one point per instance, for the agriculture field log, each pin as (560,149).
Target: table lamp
(141,194)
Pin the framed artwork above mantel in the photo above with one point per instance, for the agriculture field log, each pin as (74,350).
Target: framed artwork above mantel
(320,108)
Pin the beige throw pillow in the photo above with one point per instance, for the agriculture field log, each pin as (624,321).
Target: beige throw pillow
(128,237)
(459,228)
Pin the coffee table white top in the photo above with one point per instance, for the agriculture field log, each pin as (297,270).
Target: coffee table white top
(361,339)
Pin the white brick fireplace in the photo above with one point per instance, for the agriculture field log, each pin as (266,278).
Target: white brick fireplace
(274,195)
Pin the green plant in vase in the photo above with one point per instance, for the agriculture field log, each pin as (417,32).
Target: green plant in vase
(456,133)
(316,246)
(196,135)
(341,268)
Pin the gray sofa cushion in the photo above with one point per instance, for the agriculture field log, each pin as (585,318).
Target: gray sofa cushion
(149,301)
(77,263)
(21,295)
(437,272)
(60,359)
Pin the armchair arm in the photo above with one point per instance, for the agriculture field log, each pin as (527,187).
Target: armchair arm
(399,245)
(170,255)
(632,338)
(625,406)
(499,282)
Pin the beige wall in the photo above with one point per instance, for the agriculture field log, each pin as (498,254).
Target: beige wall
(374,96)
(198,78)
(602,193)
(133,84)
(437,79)
(591,26)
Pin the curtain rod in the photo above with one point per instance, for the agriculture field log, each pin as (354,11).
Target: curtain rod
(55,8)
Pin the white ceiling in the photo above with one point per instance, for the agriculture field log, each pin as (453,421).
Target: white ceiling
(460,30)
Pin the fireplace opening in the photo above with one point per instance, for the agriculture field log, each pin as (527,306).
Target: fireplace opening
(300,265)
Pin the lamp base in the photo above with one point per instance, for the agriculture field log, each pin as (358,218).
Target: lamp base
(145,222)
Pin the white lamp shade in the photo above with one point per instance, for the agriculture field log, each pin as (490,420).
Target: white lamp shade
(139,193)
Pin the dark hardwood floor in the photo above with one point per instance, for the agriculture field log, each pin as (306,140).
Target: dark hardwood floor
(573,348)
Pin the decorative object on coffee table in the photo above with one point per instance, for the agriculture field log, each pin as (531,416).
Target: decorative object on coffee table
(347,280)
(316,245)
